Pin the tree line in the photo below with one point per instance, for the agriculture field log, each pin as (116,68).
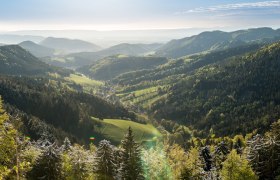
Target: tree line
(251,157)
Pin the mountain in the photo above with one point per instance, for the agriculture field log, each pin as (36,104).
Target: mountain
(50,110)
(216,40)
(14,60)
(15,39)
(130,49)
(36,49)
(228,92)
(85,58)
(69,45)
(110,67)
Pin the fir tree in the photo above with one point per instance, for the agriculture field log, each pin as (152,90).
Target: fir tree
(48,165)
(76,163)
(104,161)
(220,154)
(66,144)
(131,167)
(207,158)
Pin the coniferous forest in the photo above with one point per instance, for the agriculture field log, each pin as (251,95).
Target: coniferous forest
(115,90)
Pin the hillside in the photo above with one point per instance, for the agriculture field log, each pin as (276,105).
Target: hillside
(216,40)
(36,49)
(75,60)
(56,107)
(130,49)
(110,67)
(114,129)
(69,45)
(14,60)
(228,91)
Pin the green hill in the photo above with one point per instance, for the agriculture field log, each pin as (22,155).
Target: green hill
(216,40)
(114,129)
(232,91)
(75,60)
(110,67)
(69,45)
(56,107)
(14,60)
(36,49)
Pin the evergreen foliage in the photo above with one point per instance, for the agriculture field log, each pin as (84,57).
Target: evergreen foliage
(131,167)
(48,165)
(105,166)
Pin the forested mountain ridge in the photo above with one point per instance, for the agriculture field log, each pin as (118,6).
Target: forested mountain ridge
(69,45)
(216,40)
(230,91)
(36,49)
(14,60)
(110,67)
(58,106)
(197,117)
(234,96)
(76,60)
(182,66)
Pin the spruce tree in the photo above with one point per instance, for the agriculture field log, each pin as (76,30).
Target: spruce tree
(48,166)
(104,165)
(66,144)
(131,166)
(207,158)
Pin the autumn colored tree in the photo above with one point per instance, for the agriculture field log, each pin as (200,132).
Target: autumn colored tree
(236,167)
(8,144)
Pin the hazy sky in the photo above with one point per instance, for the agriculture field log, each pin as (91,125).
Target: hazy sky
(137,14)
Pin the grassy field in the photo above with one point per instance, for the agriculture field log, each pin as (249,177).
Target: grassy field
(83,80)
(87,83)
(114,130)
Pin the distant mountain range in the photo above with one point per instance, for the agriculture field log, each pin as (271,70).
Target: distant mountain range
(111,67)
(76,60)
(36,49)
(216,40)
(69,45)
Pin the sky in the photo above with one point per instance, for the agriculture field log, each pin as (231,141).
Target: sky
(106,15)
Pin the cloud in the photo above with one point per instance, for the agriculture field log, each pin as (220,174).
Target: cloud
(237,6)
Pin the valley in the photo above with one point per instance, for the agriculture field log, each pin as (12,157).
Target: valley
(181,102)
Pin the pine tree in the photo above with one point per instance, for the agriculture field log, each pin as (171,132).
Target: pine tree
(48,165)
(237,168)
(220,154)
(66,144)
(131,167)
(76,163)
(207,158)
(104,161)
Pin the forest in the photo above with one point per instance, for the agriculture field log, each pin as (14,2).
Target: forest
(251,157)
(128,113)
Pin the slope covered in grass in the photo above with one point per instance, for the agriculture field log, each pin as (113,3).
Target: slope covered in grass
(114,129)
